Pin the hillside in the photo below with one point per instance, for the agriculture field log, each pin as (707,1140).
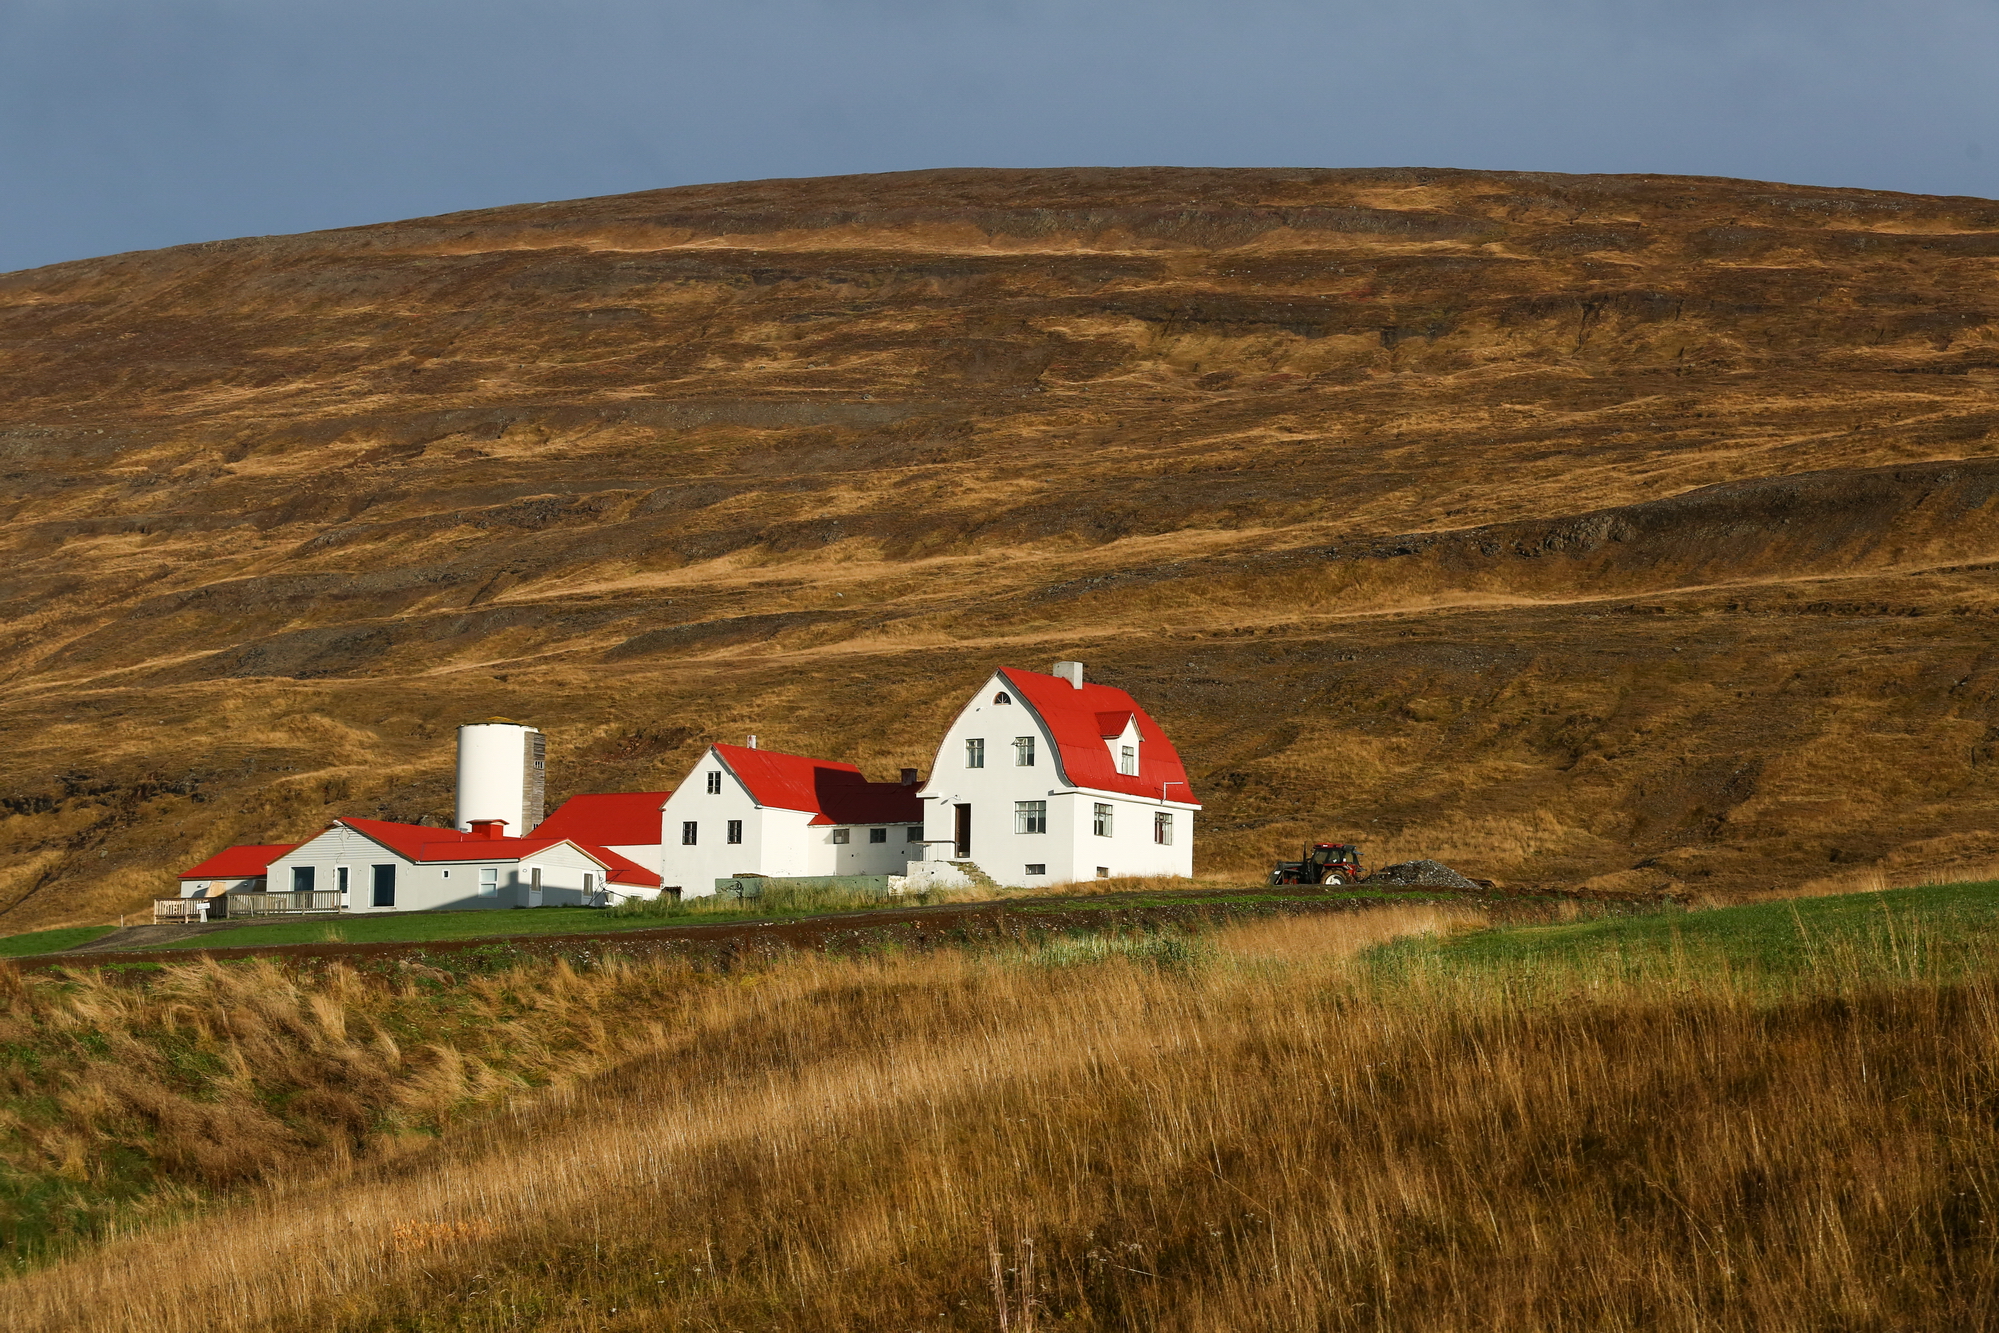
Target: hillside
(1624,531)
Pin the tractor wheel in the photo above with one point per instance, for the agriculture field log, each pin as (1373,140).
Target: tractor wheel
(1336,879)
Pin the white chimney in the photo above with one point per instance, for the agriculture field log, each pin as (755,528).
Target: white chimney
(1071,672)
(752,745)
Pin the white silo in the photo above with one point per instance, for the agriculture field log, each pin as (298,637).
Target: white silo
(501,767)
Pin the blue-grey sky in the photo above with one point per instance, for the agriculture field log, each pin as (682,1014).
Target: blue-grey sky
(128,124)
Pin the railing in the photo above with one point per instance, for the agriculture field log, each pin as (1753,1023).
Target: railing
(184,910)
(283,904)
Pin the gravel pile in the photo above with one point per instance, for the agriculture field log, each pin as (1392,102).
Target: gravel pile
(1420,875)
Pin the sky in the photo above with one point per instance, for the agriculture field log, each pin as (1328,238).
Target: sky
(133,124)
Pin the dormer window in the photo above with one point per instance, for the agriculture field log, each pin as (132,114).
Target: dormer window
(1127,761)
(1002,698)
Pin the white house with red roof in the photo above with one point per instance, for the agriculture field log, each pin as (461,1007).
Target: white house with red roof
(1048,779)
(242,869)
(745,811)
(626,822)
(377,866)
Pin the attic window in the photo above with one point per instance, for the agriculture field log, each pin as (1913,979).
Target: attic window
(1002,698)
(1127,762)
(715,782)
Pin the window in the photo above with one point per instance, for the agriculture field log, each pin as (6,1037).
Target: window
(1100,823)
(1002,698)
(301,879)
(1127,760)
(1023,751)
(975,754)
(589,884)
(385,885)
(1030,816)
(489,882)
(444,874)
(735,830)
(1103,872)
(877,835)
(841,835)
(340,883)
(1037,868)
(915,833)
(1162,828)
(715,782)
(690,833)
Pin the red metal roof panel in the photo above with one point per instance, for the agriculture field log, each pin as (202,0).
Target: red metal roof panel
(243,862)
(1074,717)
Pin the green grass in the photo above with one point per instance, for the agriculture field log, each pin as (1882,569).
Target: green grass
(50,941)
(417,928)
(1934,928)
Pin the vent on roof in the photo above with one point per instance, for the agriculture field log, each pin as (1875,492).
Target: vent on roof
(1071,672)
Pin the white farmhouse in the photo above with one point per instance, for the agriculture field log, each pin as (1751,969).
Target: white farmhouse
(745,811)
(1043,780)
(362,866)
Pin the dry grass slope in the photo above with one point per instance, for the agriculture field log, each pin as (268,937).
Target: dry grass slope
(1633,531)
(1140,1136)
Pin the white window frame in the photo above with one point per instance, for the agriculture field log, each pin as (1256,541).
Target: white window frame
(1102,819)
(489,881)
(1030,816)
(1023,752)
(714,782)
(975,752)
(842,836)
(690,833)
(1162,827)
(1127,761)
(734,836)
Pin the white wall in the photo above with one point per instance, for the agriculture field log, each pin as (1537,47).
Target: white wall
(1069,850)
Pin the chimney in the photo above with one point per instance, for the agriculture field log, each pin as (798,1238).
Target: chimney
(488,828)
(909,777)
(752,745)
(1071,672)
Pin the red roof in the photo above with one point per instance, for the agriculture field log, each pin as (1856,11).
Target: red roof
(1081,720)
(244,862)
(832,792)
(608,819)
(421,844)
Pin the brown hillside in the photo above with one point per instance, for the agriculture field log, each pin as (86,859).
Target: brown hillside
(1629,530)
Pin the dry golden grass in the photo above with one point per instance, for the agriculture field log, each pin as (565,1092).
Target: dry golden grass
(1261,1137)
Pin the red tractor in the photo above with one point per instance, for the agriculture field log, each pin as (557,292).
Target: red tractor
(1324,863)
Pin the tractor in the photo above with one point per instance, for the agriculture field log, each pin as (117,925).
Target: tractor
(1324,863)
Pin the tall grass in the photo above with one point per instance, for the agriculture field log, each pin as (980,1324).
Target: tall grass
(1285,1131)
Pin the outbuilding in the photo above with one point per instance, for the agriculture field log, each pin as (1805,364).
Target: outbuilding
(372,865)
(243,869)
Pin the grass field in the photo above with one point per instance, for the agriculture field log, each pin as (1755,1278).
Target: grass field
(1773,1116)
(421,927)
(50,941)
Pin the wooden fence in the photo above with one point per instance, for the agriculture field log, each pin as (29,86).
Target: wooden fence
(283,904)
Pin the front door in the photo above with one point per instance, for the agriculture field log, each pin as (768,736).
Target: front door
(964,830)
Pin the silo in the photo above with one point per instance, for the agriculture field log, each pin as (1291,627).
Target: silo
(501,766)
